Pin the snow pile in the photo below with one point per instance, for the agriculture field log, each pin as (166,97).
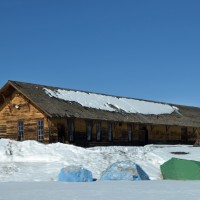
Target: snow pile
(33,151)
(111,103)
(33,161)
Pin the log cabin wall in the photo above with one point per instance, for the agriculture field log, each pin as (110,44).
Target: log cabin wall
(56,126)
(111,133)
(18,108)
(122,133)
(162,134)
(192,134)
(102,132)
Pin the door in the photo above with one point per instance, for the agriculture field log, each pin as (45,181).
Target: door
(184,135)
(61,133)
(143,136)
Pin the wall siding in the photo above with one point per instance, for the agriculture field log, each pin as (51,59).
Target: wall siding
(26,112)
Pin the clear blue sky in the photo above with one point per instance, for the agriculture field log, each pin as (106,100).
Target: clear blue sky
(146,49)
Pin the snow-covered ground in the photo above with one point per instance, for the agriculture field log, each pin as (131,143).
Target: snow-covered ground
(29,166)
(101,190)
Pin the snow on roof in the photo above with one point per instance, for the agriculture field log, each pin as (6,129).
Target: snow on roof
(111,103)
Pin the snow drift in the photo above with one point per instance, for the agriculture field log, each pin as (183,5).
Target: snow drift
(33,161)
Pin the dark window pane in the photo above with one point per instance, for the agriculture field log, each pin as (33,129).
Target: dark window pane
(110,132)
(89,130)
(98,131)
(71,131)
(40,130)
(20,130)
(129,132)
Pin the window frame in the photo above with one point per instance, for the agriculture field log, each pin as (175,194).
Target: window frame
(71,130)
(20,130)
(89,127)
(98,131)
(40,130)
(110,131)
(130,132)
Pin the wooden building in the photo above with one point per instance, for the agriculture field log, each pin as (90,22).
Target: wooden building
(36,112)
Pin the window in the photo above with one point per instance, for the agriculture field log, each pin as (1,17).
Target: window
(110,132)
(129,132)
(98,131)
(71,131)
(89,130)
(20,130)
(40,130)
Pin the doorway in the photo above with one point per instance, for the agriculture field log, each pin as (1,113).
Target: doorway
(184,135)
(61,133)
(144,136)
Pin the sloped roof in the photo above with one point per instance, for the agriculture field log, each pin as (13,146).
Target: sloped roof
(55,107)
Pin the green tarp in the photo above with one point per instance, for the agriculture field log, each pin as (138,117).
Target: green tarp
(180,169)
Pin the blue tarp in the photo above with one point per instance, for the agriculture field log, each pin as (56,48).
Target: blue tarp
(75,174)
(124,170)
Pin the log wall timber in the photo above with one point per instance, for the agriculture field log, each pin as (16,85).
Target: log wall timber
(171,134)
(119,132)
(18,108)
(140,134)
